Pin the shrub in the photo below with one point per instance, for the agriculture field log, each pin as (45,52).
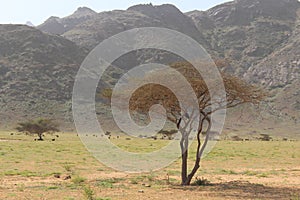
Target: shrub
(201,182)
(38,127)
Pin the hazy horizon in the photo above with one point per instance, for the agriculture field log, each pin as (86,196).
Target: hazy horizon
(35,11)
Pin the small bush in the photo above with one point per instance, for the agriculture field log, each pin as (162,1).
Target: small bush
(67,168)
(265,137)
(88,193)
(201,182)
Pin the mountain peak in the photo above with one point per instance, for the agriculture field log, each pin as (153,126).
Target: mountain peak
(83,11)
(29,23)
(53,19)
(146,8)
(55,25)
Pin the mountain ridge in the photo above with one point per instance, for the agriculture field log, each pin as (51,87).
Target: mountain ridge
(260,47)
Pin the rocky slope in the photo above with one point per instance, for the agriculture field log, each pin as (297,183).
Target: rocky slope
(55,25)
(246,32)
(37,71)
(90,31)
(258,38)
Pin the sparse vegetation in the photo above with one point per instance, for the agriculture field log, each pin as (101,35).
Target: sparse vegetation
(265,137)
(78,180)
(67,167)
(252,161)
(237,92)
(106,183)
(201,182)
(259,157)
(38,127)
(89,193)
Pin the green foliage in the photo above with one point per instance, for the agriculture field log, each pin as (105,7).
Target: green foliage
(107,183)
(88,193)
(52,188)
(25,173)
(68,168)
(78,180)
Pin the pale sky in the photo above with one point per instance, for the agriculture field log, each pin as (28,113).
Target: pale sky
(37,11)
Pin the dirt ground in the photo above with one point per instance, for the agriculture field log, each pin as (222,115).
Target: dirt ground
(52,188)
(65,170)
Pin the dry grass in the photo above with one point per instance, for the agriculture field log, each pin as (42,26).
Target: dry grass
(237,170)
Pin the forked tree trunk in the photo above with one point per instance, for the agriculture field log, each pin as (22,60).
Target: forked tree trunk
(193,172)
(186,179)
(40,137)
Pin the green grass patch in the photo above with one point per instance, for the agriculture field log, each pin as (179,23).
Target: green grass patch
(108,183)
(21,173)
(52,188)
(78,180)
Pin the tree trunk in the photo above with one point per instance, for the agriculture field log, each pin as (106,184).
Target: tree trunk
(40,137)
(192,174)
(200,150)
(184,157)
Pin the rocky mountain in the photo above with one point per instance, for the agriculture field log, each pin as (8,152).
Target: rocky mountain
(29,23)
(37,71)
(57,26)
(246,32)
(259,40)
(90,31)
(243,12)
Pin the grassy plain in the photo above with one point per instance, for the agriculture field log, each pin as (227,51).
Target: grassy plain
(64,169)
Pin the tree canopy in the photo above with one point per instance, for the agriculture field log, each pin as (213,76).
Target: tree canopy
(38,127)
(237,92)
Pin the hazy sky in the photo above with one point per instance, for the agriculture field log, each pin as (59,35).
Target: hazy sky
(37,11)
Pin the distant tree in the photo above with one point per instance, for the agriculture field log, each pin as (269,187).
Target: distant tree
(237,92)
(38,127)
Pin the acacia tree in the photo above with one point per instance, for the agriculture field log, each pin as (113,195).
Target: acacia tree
(237,92)
(38,127)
